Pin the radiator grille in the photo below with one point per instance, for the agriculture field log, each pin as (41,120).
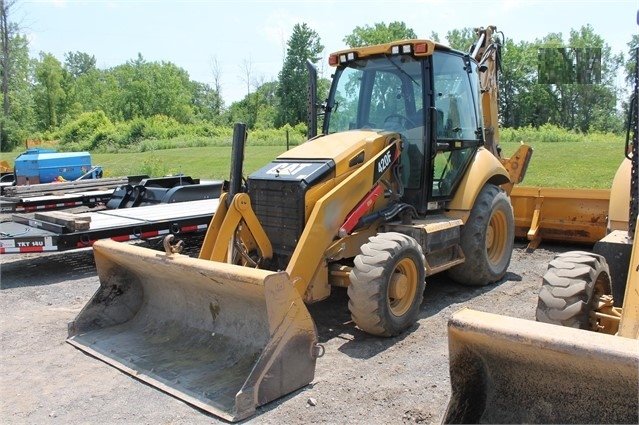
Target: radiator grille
(279,206)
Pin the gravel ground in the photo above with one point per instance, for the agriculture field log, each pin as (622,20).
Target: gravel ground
(360,379)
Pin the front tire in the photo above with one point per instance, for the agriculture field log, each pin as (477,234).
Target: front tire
(571,289)
(487,239)
(387,284)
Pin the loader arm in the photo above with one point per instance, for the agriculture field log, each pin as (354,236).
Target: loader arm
(226,221)
(328,215)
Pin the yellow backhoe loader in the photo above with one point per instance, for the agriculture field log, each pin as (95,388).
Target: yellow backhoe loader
(579,362)
(404,181)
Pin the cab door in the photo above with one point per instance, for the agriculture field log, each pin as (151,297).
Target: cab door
(457,130)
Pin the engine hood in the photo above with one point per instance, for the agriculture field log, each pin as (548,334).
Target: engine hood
(347,150)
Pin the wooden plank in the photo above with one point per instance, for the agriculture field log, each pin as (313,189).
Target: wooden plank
(65,187)
(30,221)
(72,222)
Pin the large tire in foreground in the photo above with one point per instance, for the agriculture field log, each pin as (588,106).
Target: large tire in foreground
(387,284)
(487,239)
(571,289)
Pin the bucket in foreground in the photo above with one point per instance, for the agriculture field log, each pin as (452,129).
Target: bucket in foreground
(221,337)
(509,370)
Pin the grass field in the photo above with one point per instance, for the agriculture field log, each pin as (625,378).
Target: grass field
(587,164)
(204,163)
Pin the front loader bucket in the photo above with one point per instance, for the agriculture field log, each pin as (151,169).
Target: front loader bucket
(508,370)
(221,337)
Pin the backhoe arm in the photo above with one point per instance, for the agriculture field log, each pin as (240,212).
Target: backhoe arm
(487,53)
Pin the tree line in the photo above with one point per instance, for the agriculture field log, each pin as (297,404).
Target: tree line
(75,101)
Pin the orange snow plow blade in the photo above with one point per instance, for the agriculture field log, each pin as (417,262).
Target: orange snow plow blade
(221,337)
(565,215)
(509,370)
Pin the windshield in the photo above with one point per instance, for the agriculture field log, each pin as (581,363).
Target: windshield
(377,93)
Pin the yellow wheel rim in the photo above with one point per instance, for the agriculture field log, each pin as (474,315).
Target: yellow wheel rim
(598,292)
(402,287)
(496,237)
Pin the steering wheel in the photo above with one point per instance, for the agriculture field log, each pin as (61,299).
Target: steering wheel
(401,120)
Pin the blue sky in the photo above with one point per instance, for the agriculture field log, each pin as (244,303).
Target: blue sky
(193,33)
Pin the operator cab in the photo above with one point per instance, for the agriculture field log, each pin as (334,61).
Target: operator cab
(430,98)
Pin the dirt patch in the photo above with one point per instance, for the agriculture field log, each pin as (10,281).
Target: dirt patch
(360,379)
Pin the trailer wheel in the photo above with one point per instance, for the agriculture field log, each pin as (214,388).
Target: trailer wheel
(387,284)
(487,239)
(571,289)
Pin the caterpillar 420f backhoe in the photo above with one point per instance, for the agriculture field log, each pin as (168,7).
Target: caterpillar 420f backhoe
(404,181)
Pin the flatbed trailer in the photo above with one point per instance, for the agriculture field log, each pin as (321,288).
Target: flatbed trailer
(91,198)
(55,232)
(53,196)
(562,215)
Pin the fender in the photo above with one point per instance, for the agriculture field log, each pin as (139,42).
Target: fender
(620,198)
(486,168)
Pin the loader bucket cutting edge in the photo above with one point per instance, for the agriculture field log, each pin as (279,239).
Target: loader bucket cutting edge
(221,337)
(510,370)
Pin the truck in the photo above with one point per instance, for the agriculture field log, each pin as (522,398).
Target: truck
(404,180)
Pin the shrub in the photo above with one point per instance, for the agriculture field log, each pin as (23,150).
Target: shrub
(10,134)
(136,130)
(547,133)
(154,167)
(83,129)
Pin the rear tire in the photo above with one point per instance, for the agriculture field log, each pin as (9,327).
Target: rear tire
(571,289)
(487,239)
(387,284)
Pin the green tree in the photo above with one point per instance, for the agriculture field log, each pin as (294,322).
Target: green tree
(461,39)
(571,101)
(17,118)
(631,61)
(78,63)
(146,88)
(379,33)
(522,101)
(594,100)
(8,31)
(97,90)
(630,68)
(21,108)
(207,102)
(48,92)
(134,99)
(268,103)
(304,44)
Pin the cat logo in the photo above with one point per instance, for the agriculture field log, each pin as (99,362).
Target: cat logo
(288,169)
